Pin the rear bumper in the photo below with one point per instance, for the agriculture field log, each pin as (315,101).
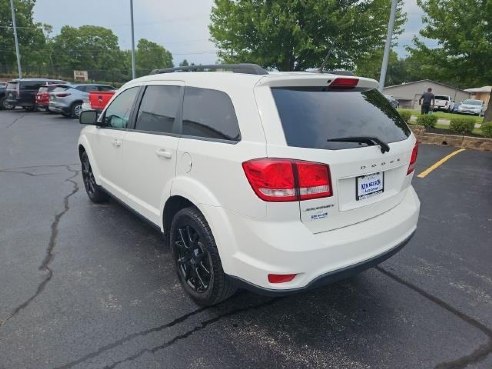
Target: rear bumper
(58,108)
(263,248)
(327,278)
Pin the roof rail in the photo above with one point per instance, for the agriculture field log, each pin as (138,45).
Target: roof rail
(235,68)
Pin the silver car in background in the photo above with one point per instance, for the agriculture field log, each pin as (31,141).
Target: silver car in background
(471,106)
(68,100)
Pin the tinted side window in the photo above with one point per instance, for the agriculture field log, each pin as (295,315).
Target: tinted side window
(210,114)
(105,88)
(31,85)
(158,109)
(118,113)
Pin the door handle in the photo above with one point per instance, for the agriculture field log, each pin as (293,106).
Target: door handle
(162,153)
(116,142)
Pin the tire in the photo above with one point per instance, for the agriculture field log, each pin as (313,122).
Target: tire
(197,260)
(29,108)
(76,110)
(4,105)
(95,192)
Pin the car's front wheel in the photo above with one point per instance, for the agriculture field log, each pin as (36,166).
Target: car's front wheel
(76,110)
(4,104)
(95,192)
(197,259)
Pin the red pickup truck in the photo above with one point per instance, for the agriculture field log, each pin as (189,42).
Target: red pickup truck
(99,99)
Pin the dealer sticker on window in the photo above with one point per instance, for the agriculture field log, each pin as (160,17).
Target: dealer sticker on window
(369,185)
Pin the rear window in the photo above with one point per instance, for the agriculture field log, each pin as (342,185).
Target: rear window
(12,85)
(312,115)
(438,97)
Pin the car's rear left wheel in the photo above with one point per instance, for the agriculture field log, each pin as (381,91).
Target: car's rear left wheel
(197,260)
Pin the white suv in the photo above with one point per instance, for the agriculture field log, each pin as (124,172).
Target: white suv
(271,182)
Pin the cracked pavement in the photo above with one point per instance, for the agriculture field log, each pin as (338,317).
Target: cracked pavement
(92,286)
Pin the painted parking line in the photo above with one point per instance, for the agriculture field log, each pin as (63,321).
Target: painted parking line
(436,165)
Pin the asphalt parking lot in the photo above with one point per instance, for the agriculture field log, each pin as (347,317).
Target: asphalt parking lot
(92,286)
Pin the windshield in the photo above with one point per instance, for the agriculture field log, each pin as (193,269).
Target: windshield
(439,97)
(12,85)
(43,89)
(312,115)
(472,102)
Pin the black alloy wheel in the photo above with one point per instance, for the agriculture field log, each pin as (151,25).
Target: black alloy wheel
(197,259)
(94,191)
(192,259)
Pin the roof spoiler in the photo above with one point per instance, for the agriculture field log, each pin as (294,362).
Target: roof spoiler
(234,68)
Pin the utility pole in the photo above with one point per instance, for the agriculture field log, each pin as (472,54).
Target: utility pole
(133,40)
(387,47)
(19,69)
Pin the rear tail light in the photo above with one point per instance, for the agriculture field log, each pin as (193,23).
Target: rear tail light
(64,94)
(280,278)
(344,83)
(413,158)
(288,180)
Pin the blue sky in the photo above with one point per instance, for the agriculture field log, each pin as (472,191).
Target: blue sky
(181,26)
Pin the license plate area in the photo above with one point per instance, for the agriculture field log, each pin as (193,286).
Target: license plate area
(369,185)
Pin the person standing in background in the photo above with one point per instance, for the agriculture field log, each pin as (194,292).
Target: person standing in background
(425,101)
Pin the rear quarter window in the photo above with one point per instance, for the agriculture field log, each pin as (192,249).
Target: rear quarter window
(312,115)
(209,114)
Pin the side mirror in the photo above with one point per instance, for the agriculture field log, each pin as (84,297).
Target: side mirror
(88,117)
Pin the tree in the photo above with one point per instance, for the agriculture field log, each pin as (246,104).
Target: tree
(184,63)
(151,56)
(87,48)
(299,34)
(30,34)
(463,31)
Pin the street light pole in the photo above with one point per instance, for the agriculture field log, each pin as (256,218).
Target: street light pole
(19,69)
(387,47)
(133,40)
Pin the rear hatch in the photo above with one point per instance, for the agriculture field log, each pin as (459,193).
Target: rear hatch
(353,130)
(42,97)
(59,93)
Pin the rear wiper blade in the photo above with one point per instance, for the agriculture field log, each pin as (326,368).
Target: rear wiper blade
(363,139)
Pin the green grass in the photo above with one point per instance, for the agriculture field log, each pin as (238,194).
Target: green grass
(475,131)
(443,115)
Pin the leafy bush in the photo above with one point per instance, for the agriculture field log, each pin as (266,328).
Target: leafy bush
(405,115)
(462,125)
(427,120)
(487,129)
